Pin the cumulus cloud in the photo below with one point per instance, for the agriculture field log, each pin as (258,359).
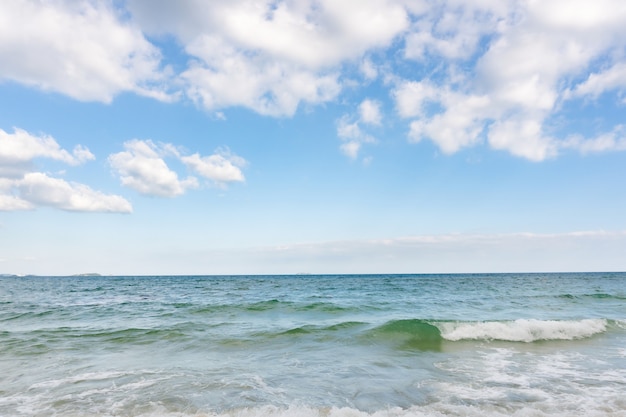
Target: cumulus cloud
(369,112)
(610,141)
(310,34)
(463,74)
(220,168)
(19,148)
(352,137)
(453,29)
(368,69)
(83,49)
(353,131)
(521,60)
(292,56)
(457,127)
(412,97)
(226,77)
(39,189)
(602,81)
(12,203)
(522,137)
(142,167)
(23,188)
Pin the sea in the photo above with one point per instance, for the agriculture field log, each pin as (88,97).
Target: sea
(314,345)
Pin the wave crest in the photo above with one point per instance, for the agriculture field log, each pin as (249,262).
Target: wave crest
(523,330)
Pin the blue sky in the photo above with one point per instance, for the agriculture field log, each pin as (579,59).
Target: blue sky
(378,136)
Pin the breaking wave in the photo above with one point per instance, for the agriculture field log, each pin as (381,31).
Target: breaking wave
(523,330)
(431,333)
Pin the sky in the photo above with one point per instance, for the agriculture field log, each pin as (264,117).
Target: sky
(151,137)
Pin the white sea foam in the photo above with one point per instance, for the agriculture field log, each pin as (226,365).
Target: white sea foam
(522,330)
(560,383)
(434,410)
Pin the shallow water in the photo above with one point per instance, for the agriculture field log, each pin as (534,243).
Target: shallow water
(385,345)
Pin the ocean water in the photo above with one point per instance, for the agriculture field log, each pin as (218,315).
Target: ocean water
(310,346)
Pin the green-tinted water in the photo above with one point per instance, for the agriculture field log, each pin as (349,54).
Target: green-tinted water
(503,344)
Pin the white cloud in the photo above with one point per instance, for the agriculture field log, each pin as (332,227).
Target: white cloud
(597,83)
(582,15)
(522,137)
(309,34)
(525,252)
(352,137)
(369,112)
(347,130)
(22,188)
(521,59)
(479,69)
(83,49)
(460,125)
(221,167)
(610,141)
(142,167)
(292,56)
(411,97)
(19,148)
(521,68)
(330,31)
(351,148)
(453,29)
(226,77)
(448,253)
(369,70)
(13,203)
(39,189)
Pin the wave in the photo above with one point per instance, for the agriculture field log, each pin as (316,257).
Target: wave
(28,315)
(411,333)
(608,405)
(595,296)
(431,335)
(289,306)
(114,336)
(404,334)
(265,306)
(523,330)
(425,333)
(613,408)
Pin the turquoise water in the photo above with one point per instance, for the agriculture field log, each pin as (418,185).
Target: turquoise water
(341,346)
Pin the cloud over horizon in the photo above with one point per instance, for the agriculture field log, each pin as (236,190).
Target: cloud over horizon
(426,254)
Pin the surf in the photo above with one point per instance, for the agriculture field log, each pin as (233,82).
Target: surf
(523,330)
(431,334)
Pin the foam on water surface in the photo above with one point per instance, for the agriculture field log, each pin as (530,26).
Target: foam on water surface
(523,330)
(315,346)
